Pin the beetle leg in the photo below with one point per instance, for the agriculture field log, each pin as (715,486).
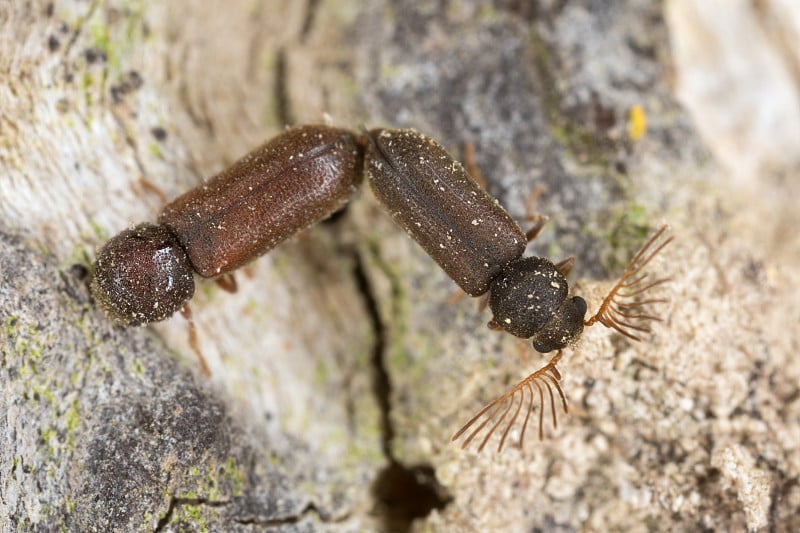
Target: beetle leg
(193,342)
(565,265)
(227,282)
(471,166)
(539,221)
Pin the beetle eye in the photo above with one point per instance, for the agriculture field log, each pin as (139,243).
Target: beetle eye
(542,347)
(580,305)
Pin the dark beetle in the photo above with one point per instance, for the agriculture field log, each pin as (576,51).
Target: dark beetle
(473,239)
(304,175)
(480,247)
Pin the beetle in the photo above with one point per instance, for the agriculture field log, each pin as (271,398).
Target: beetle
(300,177)
(307,173)
(430,195)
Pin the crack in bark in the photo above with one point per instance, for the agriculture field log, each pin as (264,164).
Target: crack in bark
(404,493)
(176,502)
(78,29)
(282,100)
(310,509)
(309,19)
(129,140)
(381,385)
(184,96)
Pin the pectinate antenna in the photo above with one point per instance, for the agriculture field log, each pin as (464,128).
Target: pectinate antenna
(502,414)
(623,309)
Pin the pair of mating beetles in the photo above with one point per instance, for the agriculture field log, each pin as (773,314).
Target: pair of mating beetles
(306,174)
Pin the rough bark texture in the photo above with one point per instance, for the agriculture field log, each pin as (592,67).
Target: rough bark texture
(341,367)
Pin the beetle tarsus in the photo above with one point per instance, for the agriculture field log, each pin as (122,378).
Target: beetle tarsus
(194,343)
(565,265)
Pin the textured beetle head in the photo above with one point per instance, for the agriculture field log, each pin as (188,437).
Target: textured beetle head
(564,326)
(142,275)
(530,299)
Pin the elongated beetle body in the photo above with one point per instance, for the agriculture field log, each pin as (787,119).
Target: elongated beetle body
(304,175)
(297,179)
(432,197)
(473,239)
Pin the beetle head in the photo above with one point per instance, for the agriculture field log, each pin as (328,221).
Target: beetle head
(530,299)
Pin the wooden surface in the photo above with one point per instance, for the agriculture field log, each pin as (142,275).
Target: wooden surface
(342,366)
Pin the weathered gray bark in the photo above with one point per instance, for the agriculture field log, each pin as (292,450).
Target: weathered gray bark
(107,107)
(341,368)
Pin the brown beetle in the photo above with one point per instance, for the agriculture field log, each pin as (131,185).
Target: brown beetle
(304,175)
(297,179)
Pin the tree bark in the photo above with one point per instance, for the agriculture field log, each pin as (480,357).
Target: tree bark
(342,366)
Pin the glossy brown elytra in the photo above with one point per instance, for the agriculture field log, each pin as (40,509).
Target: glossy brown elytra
(304,175)
(432,197)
